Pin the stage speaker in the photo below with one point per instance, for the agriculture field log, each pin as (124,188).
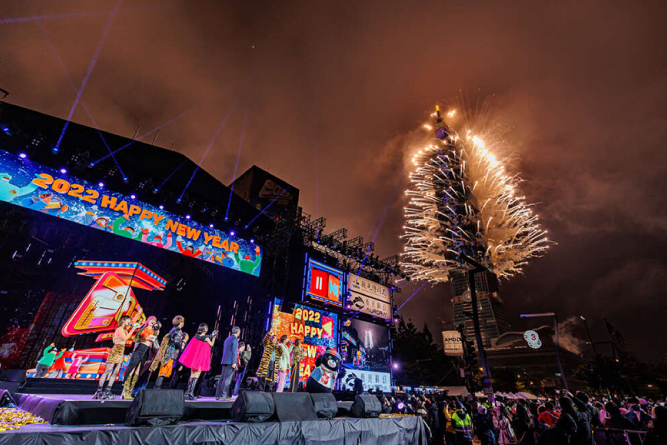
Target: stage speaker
(366,406)
(253,406)
(294,406)
(325,405)
(156,407)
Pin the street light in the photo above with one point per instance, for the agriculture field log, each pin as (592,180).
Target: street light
(555,317)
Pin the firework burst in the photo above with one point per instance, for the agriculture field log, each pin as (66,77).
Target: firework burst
(462,201)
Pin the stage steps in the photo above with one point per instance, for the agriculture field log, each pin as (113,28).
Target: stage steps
(64,386)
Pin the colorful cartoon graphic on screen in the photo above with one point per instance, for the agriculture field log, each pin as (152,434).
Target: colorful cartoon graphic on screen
(27,184)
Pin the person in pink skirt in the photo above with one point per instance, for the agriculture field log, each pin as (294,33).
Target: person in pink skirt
(197,357)
(77,361)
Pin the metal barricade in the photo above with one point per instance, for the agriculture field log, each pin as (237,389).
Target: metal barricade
(611,436)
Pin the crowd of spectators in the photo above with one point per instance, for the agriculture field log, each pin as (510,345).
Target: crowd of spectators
(566,420)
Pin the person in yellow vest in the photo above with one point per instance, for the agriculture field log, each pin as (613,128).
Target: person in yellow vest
(450,432)
(462,423)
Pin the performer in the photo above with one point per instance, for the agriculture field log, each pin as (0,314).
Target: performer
(143,339)
(114,360)
(178,367)
(170,344)
(245,353)
(230,358)
(298,355)
(147,365)
(197,357)
(58,368)
(323,378)
(48,357)
(266,374)
(77,361)
(283,351)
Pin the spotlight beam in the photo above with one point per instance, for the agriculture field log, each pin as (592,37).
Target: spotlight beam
(71,82)
(91,65)
(69,15)
(169,122)
(410,297)
(210,144)
(171,174)
(238,156)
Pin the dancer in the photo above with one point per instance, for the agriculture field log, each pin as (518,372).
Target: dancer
(178,367)
(283,351)
(147,365)
(114,360)
(245,353)
(197,357)
(266,374)
(48,357)
(58,368)
(172,344)
(298,355)
(143,339)
(230,357)
(77,361)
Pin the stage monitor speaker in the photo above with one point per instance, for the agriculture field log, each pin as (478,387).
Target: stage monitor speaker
(253,406)
(325,405)
(294,406)
(156,407)
(366,406)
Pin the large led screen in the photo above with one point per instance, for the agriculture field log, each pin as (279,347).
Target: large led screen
(66,284)
(365,351)
(41,189)
(317,329)
(324,283)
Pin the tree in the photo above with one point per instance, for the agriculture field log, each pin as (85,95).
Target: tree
(419,361)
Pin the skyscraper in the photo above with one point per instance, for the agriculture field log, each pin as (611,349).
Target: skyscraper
(368,340)
(492,319)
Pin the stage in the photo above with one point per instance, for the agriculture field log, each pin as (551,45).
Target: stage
(77,419)
(339,431)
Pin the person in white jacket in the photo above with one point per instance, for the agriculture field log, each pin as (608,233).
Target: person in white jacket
(283,351)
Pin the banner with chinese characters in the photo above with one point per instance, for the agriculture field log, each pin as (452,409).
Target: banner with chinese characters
(30,185)
(368,297)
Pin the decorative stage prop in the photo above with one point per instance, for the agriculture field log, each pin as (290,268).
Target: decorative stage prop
(111,297)
(27,184)
(317,330)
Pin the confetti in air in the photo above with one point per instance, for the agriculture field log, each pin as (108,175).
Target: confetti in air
(462,201)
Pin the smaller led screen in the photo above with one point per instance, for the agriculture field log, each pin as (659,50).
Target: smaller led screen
(324,283)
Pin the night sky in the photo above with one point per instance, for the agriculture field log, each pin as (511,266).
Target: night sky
(330,92)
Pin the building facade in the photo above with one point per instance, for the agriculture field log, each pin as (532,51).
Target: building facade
(491,308)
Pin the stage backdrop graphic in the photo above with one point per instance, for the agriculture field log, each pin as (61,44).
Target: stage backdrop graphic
(317,330)
(368,297)
(33,186)
(324,283)
(365,352)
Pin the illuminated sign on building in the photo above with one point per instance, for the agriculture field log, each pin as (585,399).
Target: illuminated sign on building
(324,283)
